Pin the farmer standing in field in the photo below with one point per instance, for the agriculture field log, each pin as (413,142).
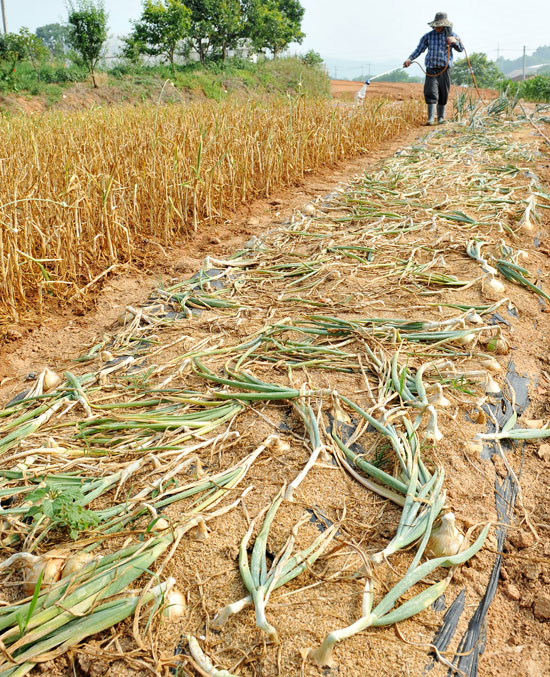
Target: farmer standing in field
(440,43)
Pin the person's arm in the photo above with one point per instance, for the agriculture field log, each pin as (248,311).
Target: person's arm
(456,44)
(422,47)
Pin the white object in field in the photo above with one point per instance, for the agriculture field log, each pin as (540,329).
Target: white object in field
(360,95)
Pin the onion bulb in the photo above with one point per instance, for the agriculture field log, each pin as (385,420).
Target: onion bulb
(474,446)
(200,531)
(161,524)
(465,339)
(51,564)
(432,431)
(76,563)
(491,386)
(125,318)
(51,379)
(473,317)
(446,540)
(490,364)
(498,345)
(309,210)
(438,399)
(492,284)
(174,605)
(275,443)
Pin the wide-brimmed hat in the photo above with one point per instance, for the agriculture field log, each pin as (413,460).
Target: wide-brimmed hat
(440,20)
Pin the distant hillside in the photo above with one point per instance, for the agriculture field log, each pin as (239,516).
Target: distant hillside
(541,55)
(125,83)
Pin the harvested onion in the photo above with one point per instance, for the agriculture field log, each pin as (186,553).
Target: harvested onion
(432,431)
(51,564)
(446,540)
(465,339)
(275,443)
(175,605)
(438,399)
(490,283)
(491,386)
(498,345)
(491,364)
(77,562)
(51,379)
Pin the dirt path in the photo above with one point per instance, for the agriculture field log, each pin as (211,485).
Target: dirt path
(349,296)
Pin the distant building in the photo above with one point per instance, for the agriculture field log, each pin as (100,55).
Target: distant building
(530,72)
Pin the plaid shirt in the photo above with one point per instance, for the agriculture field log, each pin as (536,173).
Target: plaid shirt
(436,44)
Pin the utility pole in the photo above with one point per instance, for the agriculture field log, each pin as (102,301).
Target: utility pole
(4,18)
(498,52)
(523,78)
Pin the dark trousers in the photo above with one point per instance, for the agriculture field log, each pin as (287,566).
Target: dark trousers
(436,89)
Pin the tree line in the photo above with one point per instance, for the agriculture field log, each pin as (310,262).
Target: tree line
(166,29)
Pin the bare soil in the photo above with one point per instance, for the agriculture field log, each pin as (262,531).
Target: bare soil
(400,91)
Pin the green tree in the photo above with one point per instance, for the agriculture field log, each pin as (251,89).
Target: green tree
(35,50)
(398,75)
(216,26)
(87,31)
(486,72)
(312,58)
(54,37)
(202,28)
(274,24)
(160,31)
(12,51)
(227,24)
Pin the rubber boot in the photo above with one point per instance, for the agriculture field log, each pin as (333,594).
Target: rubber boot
(440,115)
(431,115)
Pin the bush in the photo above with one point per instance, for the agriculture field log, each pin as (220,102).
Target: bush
(536,89)
(61,74)
(312,58)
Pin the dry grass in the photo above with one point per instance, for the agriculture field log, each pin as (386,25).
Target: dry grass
(81,191)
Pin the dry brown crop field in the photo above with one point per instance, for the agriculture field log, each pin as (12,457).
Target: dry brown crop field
(82,191)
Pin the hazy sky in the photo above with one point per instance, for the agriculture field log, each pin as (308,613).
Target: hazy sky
(377,33)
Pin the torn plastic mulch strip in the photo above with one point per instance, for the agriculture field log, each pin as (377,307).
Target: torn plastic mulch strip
(472,643)
(318,517)
(445,633)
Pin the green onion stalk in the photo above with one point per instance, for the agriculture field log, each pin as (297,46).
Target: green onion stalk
(424,496)
(261,579)
(30,629)
(384,613)
(312,426)
(203,661)
(60,640)
(212,490)
(48,620)
(68,393)
(519,275)
(107,431)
